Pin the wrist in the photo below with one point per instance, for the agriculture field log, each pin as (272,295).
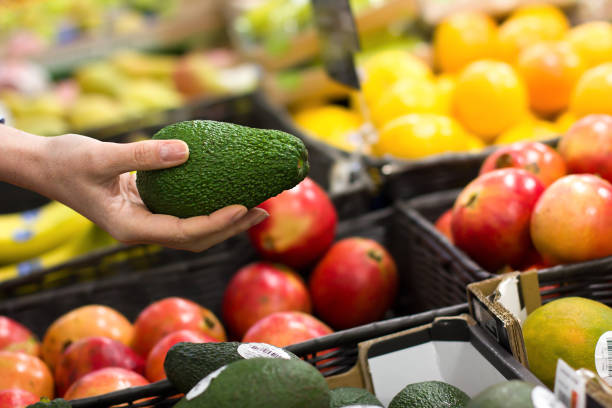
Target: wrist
(22,158)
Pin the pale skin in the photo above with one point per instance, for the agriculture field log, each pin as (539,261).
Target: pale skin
(94,178)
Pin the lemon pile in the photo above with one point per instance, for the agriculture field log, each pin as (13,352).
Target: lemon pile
(529,77)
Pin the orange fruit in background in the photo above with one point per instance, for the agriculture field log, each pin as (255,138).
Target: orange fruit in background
(419,135)
(550,71)
(85,321)
(565,121)
(593,41)
(489,98)
(593,92)
(406,96)
(530,129)
(27,372)
(529,25)
(462,38)
(446,85)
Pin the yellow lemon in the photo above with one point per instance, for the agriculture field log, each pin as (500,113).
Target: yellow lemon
(565,121)
(593,41)
(489,98)
(593,91)
(419,135)
(330,123)
(406,96)
(446,85)
(387,67)
(529,129)
(462,38)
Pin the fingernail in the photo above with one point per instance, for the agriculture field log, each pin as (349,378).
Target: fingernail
(238,214)
(173,151)
(255,218)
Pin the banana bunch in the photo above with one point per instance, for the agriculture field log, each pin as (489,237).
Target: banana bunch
(30,233)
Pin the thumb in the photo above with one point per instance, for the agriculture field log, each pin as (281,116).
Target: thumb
(149,155)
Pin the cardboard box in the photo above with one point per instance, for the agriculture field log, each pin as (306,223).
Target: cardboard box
(501,304)
(450,349)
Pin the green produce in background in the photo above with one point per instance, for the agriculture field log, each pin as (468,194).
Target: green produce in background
(228,164)
(260,383)
(513,394)
(348,396)
(430,394)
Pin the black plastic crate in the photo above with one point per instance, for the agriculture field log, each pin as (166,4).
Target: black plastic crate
(440,271)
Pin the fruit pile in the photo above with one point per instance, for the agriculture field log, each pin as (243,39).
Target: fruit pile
(125,86)
(527,78)
(533,206)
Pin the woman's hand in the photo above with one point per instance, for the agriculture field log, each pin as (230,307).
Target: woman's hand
(95,179)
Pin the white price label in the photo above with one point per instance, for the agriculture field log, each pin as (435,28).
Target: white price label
(603,357)
(261,350)
(541,397)
(570,387)
(204,383)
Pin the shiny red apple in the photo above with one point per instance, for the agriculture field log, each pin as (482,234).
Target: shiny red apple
(572,221)
(260,289)
(443,224)
(171,314)
(587,146)
(155,361)
(282,329)
(16,398)
(542,160)
(91,354)
(300,228)
(16,337)
(103,381)
(355,283)
(491,218)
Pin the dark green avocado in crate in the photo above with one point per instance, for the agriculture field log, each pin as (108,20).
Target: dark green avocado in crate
(228,164)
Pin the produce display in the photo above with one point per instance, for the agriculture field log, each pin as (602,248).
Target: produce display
(299,310)
(533,206)
(528,76)
(127,85)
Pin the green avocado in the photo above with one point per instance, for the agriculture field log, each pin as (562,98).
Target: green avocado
(228,164)
(430,394)
(187,363)
(260,383)
(510,394)
(350,396)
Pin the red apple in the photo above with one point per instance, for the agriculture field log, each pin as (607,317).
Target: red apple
(537,158)
(587,146)
(85,321)
(16,398)
(282,329)
(155,361)
(354,284)
(29,373)
(491,217)
(103,381)
(169,315)
(260,289)
(300,228)
(91,354)
(572,221)
(16,337)
(443,224)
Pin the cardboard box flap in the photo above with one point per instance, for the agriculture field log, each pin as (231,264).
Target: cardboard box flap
(454,350)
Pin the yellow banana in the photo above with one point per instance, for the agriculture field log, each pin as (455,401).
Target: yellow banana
(88,240)
(31,233)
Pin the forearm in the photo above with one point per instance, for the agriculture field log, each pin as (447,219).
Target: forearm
(22,158)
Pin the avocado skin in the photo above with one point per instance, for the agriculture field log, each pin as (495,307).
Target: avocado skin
(430,394)
(264,383)
(187,363)
(228,164)
(346,396)
(515,394)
